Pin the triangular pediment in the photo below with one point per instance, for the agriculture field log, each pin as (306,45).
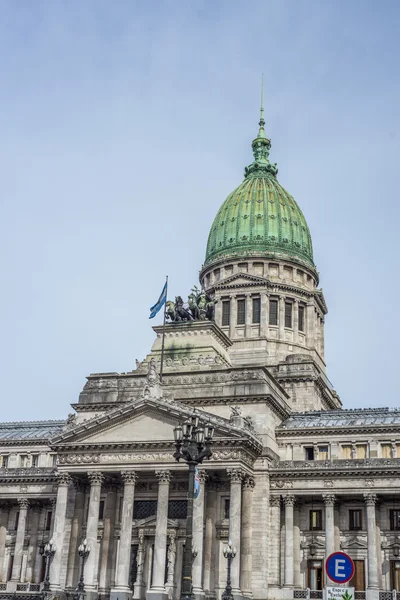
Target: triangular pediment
(142,420)
(150,522)
(242,279)
(354,543)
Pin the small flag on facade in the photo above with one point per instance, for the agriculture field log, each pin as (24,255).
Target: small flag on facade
(160,302)
(197,484)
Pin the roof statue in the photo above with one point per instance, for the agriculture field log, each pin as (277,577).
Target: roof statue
(200,307)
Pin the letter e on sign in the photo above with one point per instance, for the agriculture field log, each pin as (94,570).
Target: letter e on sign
(339,567)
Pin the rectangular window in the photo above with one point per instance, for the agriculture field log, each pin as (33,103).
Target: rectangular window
(395,520)
(4,461)
(226,313)
(316,520)
(256,310)
(273,311)
(241,311)
(120,510)
(395,574)
(323,452)
(355,520)
(301,317)
(35,460)
(346,452)
(309,453)
(361,451)
(16,520)
(227,507)
(24,461)
(101,510)
(288,314)
(315,575)
(386,450)
(54,460)
(358,579)
(48,520)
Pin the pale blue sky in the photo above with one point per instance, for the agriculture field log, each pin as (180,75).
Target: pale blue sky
(123,127)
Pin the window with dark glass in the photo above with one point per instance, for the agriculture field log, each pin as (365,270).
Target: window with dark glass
(288,314)
(273,311)
(355,520)
(48,520)
(226,312)
(101,510)
(301,317)
(256,310)
(177,509)
(309,452)
(241,311)
(16,520)
(35,460)
(227,508)
(315,519)
(4,462)
(144,508)
(395,520)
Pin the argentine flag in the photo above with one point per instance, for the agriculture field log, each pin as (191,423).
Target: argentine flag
(160,302)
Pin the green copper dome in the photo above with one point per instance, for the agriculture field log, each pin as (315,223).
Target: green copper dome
(259,217)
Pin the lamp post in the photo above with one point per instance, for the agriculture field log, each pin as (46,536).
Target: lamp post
(229,553)
(47,550)
(193,444)
(83,551)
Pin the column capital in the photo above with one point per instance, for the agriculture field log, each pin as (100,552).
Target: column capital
(275,501)
(23,503)
(236,475)
(52,502)
(329,499)
(164,476)
(203,475)
(289,500)
(95,477)
(370,499)
(248,482)
(63,478)
(129,477)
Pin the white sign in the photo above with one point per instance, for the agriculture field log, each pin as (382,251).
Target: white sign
(339,593)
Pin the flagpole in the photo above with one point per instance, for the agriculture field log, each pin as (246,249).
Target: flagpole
(163,331)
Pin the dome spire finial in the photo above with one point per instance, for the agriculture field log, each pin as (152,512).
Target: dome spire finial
(261,133)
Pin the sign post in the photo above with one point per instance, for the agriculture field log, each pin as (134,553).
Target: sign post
(339,568)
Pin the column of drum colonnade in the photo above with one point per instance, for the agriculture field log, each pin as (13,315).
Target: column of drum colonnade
(205,518)
(288,549)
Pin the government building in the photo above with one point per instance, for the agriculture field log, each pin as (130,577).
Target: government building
(293,475)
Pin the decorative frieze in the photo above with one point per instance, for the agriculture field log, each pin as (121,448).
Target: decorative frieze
(78,459)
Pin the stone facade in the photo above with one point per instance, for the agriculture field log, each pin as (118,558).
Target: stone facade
(292,478)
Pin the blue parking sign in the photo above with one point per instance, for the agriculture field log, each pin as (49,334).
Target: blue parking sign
(339,567)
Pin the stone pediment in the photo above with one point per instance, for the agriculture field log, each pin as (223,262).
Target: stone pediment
(150,523)
(241,279)
(146,420)
(354,543)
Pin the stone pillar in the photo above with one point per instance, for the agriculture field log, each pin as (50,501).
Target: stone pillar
(76,535)
(57,537)
(210,536)
(310,326)
(275,540)
(90,574)
(233,318)
(264,315)
(198,536)
(329,500)
(4,516)
(295,317)
(33,543)
(246,548)
(218,312)
(289,524)
(281,318)
(370,500)
(157,591)
(235,514)
(19,540)
(108,537)
(122,589)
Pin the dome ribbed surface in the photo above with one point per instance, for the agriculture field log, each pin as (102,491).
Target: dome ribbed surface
(260,218)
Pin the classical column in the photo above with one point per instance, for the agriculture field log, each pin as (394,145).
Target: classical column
(289,523)
(310,326)
(275,539)
(198,536)
(210,536)
(235,514)
(246,548)
(20,537)
(122,589)
(57,536)
(264,315)
(281,321)
(90,574)
(4,516)
(33,543)
(108,537)
(160,544)
(370,500)
(76,534)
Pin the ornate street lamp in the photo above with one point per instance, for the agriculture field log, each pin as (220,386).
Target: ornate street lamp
(193,444)
(47,550)
(83,552)
(229,553)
